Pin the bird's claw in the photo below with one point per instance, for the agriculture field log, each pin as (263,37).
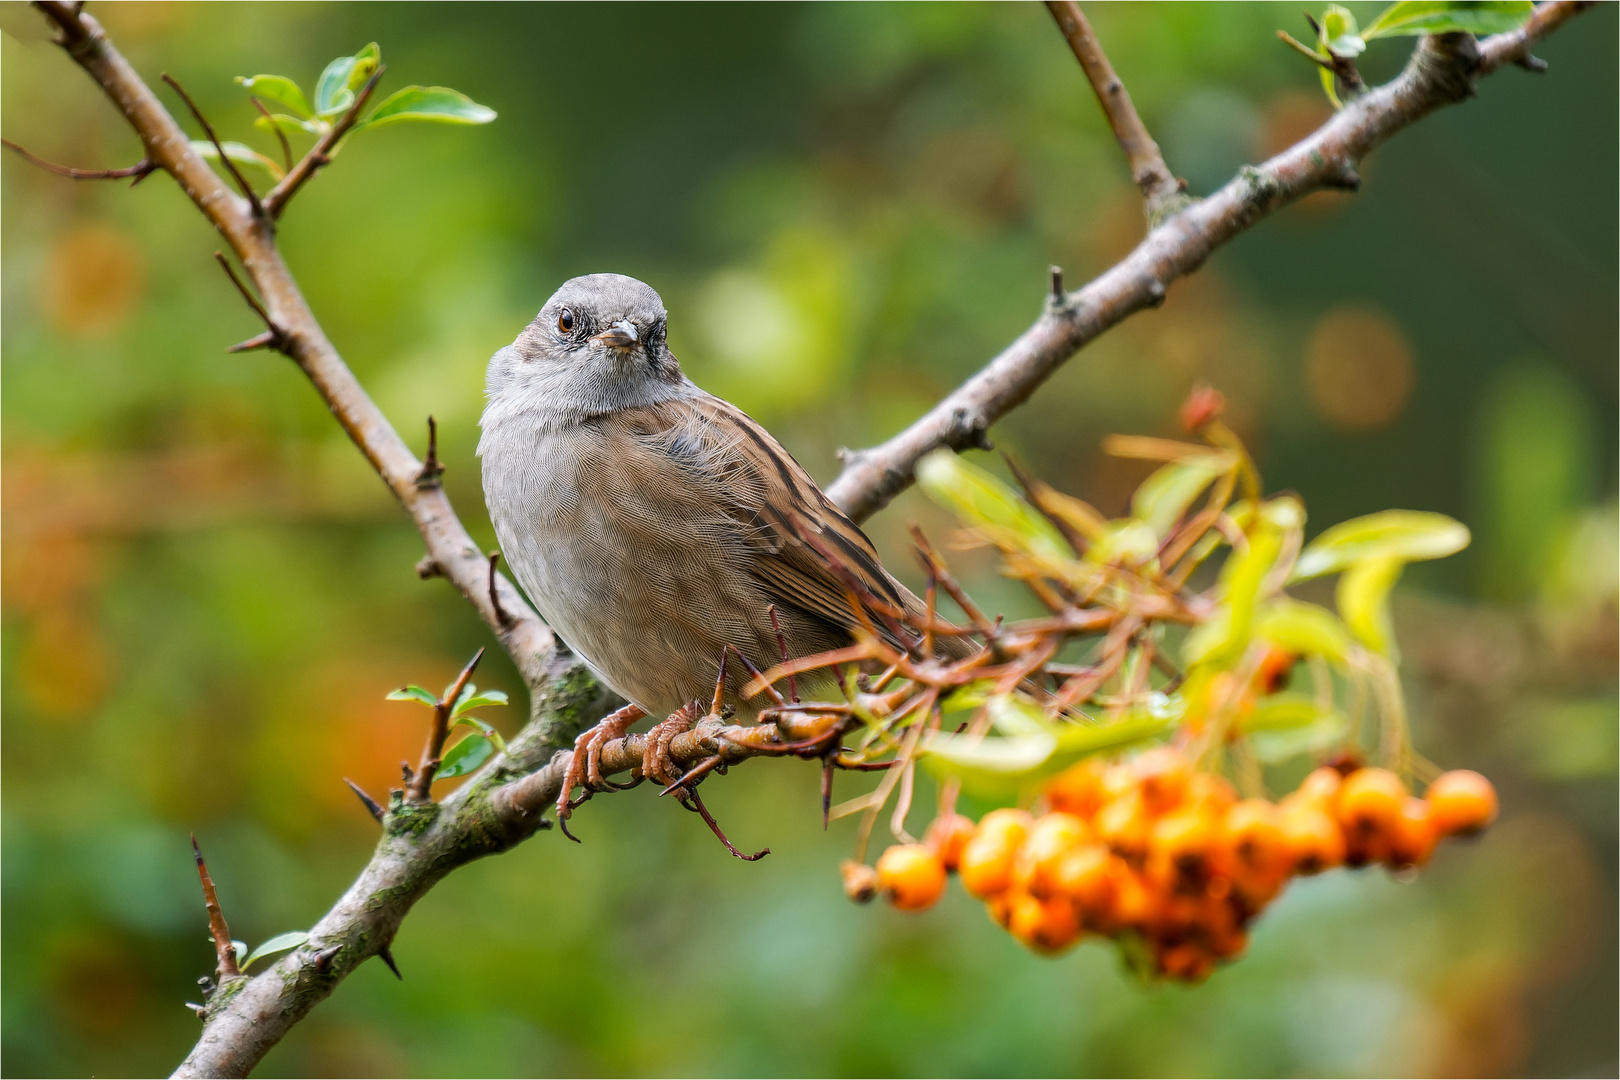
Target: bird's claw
(585,768)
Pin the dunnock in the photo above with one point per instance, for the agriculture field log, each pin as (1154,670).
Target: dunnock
(651,523)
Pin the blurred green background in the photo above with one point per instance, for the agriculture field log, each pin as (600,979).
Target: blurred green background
(847,210)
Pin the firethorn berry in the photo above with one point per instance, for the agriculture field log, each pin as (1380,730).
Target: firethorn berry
(1255,840)
(1314,840)
(1087,875)
(1135,904)
(860,881)
(1275,667)
(1320,789)
(1046,926)
(1077,790)
(1211,794)
(1461,802)
(1184,961)
(1049,837)
(1162,775)
(987,859)
(1203,406)
(948,834)
(1369,805)
(1183,849)
(911,876)
(1413,838)
(1124,825)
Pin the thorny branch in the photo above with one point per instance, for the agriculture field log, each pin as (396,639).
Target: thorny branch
(501,805)
(422,783)
(321,153)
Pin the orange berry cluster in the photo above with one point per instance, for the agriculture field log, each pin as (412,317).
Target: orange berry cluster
(1158,851)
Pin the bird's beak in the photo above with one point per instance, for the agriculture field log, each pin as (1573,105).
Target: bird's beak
(621,335)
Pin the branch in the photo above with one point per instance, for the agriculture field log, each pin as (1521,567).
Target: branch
(321,153)
(1441,72)
(1160,188)
(140,170)
(422,785)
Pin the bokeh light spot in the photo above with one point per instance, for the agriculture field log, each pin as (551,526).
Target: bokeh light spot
(93,279)
(1358,366)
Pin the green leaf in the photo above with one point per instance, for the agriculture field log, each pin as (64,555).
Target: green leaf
(1363,597)
(277,88)
(1338,33)
(1126,541)
(413,693)
(1302,629)
(1330,86)
(1165,496)
(465,757)
(488,697)
(334,92)
(1286,725)
(365,66)
(488,732)
(280,943)
(1412,17)
(980,499)
(1407,535)
(242,155)
(288,124)
(438,104)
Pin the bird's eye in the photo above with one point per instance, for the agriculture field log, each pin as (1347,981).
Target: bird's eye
(565,321)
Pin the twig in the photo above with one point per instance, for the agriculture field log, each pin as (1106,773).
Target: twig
(321,153)
(224,947)
(694,802)
(387,956)
(495,592)
(421,786)
(273,337)
(281,136)
(1161,191)
(431,470)
(230,166)
(140,170)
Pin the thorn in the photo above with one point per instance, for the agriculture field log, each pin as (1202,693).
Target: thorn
(202,1013)
(387,955)
(370,804)
(323,959)
(1156,293)
(224,950)
(266,340)
(697,772)
(494,594)
(1531,63)
(1058,295)
(719,700)
(428,567)
(781,644)
(428,476)
(406,772)
(826,791)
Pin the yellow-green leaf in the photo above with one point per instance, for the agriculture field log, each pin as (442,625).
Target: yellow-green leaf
(1363,597)
(1165,496)
(277,88)
(240,154)
(979,499)
(1406,535)
(1413,17)
(1302,629)
(1285,725)
(438,104)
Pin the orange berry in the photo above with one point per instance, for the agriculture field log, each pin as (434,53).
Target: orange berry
(1320,789)
(986,863)
(1209,793)
(860,881)
(948,834)
(1136,906)
(1125,826)
(1162,776)
(1275,668)
(1077,790)
(1313,839)
(911,876)
(1184,961)
(1050,836)
(1461,802)
(1086,874)
(1255,841)
(1369,805)
(1184,849)
(999,907)
(1046,926)
(1413,838)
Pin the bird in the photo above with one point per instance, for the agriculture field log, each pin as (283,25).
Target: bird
(654,525)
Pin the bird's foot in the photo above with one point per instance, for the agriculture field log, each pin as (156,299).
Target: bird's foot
(585,769)
(656,761)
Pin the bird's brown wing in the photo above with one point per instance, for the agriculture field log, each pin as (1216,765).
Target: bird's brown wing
(786,517)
